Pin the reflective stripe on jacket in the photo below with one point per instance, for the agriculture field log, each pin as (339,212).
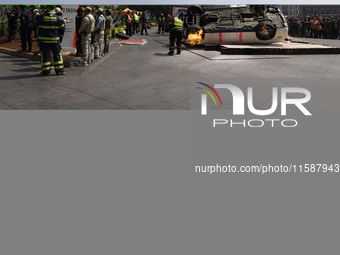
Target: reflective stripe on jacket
(135,18)
(51,27)
(176,24)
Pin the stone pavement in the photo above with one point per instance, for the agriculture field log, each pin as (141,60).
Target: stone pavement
(145,77)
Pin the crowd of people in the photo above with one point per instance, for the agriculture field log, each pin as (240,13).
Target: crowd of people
(91,25)
(87,26)
(314,26)
(48,25)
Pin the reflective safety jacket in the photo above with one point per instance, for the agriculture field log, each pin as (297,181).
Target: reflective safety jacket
(176,24)
(51,28)
(135,18)
(34,11)
(161,19)
(128,18)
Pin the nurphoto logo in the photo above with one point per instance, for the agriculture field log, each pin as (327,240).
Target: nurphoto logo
(239,104)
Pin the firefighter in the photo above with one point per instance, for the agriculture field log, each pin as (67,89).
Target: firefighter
(87,27)
(108,24)
(34,9)
(26,25)
(50,35)
(161,22)
(176,30)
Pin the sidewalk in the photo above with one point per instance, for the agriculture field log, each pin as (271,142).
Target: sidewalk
(35,57)
(146,78)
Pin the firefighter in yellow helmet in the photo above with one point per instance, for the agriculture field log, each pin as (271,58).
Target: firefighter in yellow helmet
(50,35)
(176,34)
(161,23)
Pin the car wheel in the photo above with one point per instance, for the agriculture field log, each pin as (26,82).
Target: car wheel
(195,9)
(193,29)
(265,30)
(122,36)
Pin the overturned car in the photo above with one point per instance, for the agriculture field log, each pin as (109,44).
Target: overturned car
(256,24)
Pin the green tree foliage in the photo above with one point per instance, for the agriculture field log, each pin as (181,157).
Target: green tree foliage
(3,26)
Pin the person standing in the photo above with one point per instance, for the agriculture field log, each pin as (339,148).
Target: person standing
(299,27)
(128,20)
(139,22)
(327,28)
(135,20)
(304,27)
(79,18)
(322,26)
(59,12)
(176,30)
(99,29)
(34,9)
(108,24)
(26,26)
(87,26)
(13,17)
(334,28)
(314,25)
(50,35)
(161,22)
(144,24)
(94,35)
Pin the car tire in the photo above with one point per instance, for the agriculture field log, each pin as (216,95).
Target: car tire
(122,36)
(265,30)
(191,29)
(195,9)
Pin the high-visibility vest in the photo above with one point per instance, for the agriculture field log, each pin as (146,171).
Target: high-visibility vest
(315,23)
(135,17)
(128,18)
(176,24)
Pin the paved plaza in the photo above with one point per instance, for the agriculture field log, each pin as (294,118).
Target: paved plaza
(146,78)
